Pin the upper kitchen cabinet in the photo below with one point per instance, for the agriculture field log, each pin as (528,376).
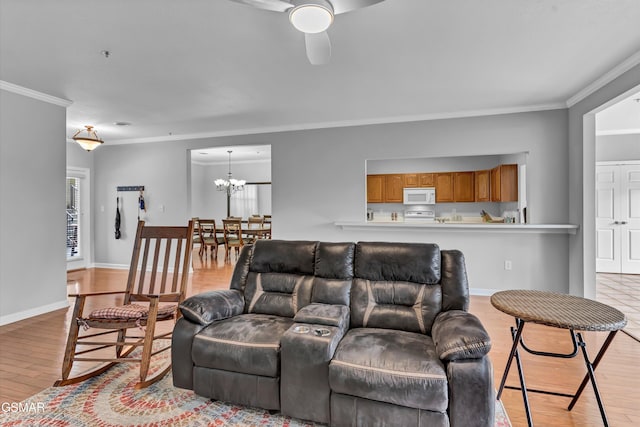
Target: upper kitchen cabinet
(411,179)
(463,187)
(483,186)
(375,188)
(426,180)
(414,180)
(504,183)
(393,186)
(444,187)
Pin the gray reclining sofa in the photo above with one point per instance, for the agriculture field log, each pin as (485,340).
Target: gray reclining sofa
(347,334)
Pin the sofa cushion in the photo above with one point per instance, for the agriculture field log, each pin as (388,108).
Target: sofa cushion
(390,366)
(283,256)
(334,260)
(404,306)
(280,294)
(404,262)
(248,343)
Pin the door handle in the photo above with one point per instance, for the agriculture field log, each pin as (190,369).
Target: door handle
(623,222)
(616,222)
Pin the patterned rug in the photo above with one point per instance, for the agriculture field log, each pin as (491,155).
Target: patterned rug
(109,400)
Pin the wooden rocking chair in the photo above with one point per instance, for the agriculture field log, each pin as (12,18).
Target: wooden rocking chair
(163,280)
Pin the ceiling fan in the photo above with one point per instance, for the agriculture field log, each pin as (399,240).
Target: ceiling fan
(312,17)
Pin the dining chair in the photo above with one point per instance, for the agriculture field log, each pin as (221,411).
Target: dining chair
(266,223)
(209,237)
(255,229)
(156,284)
(232,235)
(196,234)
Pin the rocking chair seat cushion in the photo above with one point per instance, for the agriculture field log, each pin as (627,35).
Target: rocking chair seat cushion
(131,311)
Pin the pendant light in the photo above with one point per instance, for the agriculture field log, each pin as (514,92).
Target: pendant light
(87,138)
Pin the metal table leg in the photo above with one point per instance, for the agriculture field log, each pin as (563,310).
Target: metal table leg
(590,375)
(516,335)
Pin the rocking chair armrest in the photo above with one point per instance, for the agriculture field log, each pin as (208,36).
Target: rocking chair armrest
(167,297)
(91,294)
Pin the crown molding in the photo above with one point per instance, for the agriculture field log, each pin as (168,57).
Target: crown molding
(20,90)
(617,132)
(607,78)
(345,123)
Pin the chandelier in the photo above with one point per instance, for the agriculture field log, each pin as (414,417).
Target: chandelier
(229,185)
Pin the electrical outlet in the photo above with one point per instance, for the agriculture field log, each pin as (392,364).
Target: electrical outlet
(507,264)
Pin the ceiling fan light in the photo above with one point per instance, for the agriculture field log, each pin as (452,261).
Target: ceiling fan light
(88,140)
(311,18)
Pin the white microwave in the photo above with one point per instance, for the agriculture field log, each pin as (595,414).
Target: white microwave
(419,196)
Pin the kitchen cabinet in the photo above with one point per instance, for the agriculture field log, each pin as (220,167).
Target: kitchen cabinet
(375,188)
(483,186)
(411,180)
(393,185)
(463,187)
(426,180)
(504,183)
(444,187)
(499,184)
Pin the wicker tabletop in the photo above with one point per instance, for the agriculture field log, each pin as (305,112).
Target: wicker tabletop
(559,310)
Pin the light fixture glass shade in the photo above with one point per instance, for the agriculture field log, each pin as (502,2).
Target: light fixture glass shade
(87,138)
(311,18)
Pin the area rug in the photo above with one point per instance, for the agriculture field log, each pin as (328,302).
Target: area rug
(110,400)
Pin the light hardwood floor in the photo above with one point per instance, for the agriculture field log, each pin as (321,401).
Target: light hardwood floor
(621,291)
(31,355)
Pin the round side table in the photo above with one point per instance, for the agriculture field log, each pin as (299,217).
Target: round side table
(557,311)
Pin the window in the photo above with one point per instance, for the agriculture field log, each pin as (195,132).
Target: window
(245,203)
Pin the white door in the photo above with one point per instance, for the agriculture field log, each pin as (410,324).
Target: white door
(630,219)
(618,218)
(607,210)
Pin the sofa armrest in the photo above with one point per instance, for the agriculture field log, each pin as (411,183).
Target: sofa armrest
(181,359)
(459,335)
(207,307)
(472,398)
(324,314)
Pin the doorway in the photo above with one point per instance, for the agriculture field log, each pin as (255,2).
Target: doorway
(78,214)
(250,163)
(617,207)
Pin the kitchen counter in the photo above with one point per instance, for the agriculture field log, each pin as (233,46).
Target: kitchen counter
(460,226)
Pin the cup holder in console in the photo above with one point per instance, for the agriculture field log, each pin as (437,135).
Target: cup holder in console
(321,332)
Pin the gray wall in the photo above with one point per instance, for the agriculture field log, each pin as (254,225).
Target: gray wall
(617,147)
(319,177)
(77,157)
(32,211)
(162,168)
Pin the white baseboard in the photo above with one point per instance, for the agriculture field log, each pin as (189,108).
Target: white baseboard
(483,292)
(21,315)
(114,266)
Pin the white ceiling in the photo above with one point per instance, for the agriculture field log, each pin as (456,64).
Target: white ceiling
(239,153)
(213,67)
